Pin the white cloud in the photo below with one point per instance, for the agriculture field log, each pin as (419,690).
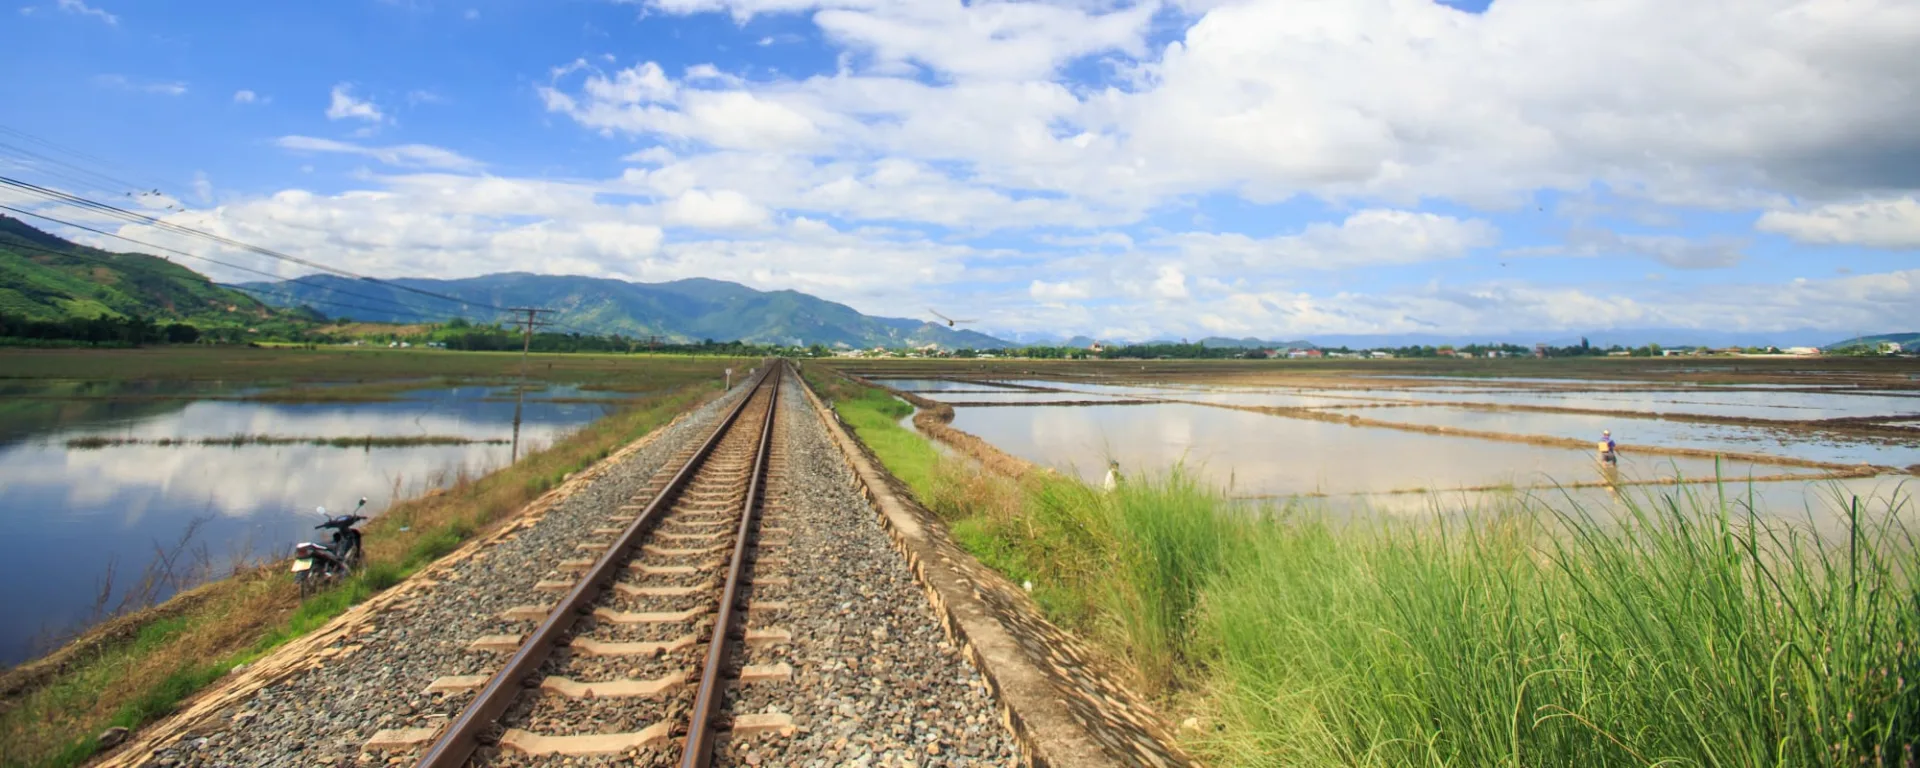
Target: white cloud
(81,8)
(1385,101)
(404,155)
(1171,284)
(342,105)
(1672,250)
(1686,253)
(244,96)
(470,14)
(418,97)
(718,210)
(650,156)
(122,82)
(1889,223)
(1047,292)
(1369,237)
(202,187)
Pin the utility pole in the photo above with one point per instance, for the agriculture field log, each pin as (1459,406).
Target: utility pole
(520,392)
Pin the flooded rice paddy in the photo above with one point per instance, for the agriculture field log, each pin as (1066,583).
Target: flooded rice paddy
(99,476)
(1261,455)
(1412,444)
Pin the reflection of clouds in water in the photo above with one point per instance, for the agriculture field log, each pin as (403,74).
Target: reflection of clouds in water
(68,513)
(462,418)
(1631,432)
(1270,454)
(240,482)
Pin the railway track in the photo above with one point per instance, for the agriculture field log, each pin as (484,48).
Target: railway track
(677,605)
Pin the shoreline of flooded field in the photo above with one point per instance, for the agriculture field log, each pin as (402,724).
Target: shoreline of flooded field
(1373,439)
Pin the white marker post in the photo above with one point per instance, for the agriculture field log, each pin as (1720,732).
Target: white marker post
(729,378)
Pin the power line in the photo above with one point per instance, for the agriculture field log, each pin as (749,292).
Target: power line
(147,182)
(141,218)
(398,307)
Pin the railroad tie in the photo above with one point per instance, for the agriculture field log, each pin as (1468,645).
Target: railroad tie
(456,683)
(778,723)
(765,673)
(648,617)
(495,643)
(769,636)
(613,689)
(593,647)
(532,743)
(635,590)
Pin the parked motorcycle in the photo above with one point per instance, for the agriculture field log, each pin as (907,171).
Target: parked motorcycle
(318,565)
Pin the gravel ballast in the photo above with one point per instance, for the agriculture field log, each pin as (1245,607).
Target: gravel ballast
(876,680)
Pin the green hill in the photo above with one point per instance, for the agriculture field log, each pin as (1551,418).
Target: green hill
(44,277)
(1907,340)
(679,311)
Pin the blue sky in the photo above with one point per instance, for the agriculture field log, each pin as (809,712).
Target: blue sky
(1276,168)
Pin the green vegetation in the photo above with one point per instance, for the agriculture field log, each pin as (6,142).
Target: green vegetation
(1692,633)
(136,668)
(680,311)
(53,291)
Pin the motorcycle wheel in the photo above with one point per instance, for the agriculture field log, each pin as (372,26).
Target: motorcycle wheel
(305,583)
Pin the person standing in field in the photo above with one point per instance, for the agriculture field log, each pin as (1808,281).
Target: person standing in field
(1113,476)
(1609,452)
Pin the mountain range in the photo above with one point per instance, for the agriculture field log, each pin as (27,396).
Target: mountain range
(46,277)
(682,310)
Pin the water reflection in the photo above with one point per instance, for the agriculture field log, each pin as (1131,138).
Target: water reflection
(1800,444)
(1256,454)
(68,513)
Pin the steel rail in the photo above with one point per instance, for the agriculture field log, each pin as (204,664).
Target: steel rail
(698,751)
(457,744)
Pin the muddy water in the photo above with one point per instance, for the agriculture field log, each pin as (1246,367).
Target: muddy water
(1802,444)
(1012,396)
(934,385)
(1784,406)
(1257,454)
(69,512)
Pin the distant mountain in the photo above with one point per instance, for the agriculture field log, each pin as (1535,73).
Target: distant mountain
(681,310)
(1907,340)
(1632,337)
(1216,342)
(45,277)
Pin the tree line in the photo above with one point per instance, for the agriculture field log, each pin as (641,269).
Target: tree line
(102,331)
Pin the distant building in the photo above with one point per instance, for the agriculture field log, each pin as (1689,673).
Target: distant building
(1315,353)
(1620,353)
(1296,354)
(1892,348)
(1379,355)
(1805,351)
(1539,350)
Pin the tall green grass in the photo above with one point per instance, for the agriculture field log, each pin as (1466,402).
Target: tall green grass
(1692,632)
(1682,629)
